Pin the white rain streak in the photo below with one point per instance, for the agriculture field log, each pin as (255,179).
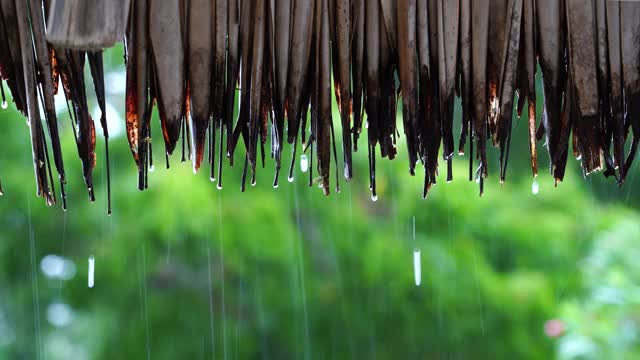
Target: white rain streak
(90,277)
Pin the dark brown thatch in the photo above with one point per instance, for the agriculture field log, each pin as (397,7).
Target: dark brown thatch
(188,57)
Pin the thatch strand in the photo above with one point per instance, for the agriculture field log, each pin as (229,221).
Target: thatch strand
(188,57)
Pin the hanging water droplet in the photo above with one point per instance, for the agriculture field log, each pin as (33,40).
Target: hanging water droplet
(374,197)
(253,182)
(219,186)
(4,104)
(535,188)
(212,178)
(477,179)
(92,262)
(151,168)
(304,163)
(290,179)
(275,186)
(417,267)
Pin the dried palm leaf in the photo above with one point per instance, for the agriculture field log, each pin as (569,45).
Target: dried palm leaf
(86,25)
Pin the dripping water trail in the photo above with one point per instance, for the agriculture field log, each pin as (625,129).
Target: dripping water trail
(211,314)
(62,250)
(34,283)
(262,323)
(456,285)
(477,286)
(241,300)
(301,275)
(333,239)
(222,276)
(352,349)
(294,285)
(142,274)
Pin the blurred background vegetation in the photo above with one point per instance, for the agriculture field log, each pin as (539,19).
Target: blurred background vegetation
(184,270)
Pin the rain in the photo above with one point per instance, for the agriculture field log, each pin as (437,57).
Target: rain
(279,270)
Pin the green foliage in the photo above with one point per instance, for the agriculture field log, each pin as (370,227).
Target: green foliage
(186,271)
(603,323)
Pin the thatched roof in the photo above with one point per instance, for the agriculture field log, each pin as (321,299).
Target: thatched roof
(189,56)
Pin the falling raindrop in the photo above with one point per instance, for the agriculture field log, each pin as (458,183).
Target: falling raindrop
(535,188)
(4,104)
(92,262)
(304,163)
(290,179)
(417,268)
